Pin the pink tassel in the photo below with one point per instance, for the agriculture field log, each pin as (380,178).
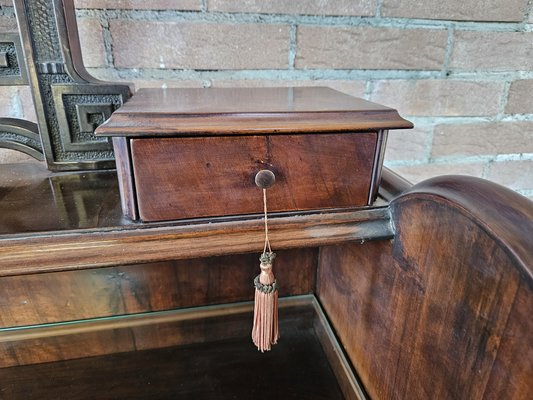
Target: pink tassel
(265,330)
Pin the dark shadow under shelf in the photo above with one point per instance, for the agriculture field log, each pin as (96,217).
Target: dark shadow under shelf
(307,363)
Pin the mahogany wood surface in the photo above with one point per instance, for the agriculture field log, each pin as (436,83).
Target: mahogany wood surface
(51,222)
(227,368)
(72,295)
(180,178)
(443,310)
(195,152)
(230,111)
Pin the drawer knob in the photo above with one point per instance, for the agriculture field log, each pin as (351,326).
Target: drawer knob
(265,178)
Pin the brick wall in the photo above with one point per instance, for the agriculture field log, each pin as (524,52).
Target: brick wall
(460,70)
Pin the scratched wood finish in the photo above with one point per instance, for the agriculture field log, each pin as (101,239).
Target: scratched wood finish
(444,310)
(73,295)
(180,178)
(231,111)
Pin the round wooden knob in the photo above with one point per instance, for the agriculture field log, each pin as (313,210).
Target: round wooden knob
(265,179)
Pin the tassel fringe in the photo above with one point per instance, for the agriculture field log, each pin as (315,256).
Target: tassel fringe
(265,331)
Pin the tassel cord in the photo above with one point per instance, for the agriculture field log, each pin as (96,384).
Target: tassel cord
(267,241)
(265,331)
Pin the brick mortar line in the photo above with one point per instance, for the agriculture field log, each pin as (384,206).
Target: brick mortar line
(108,43)
(451,160)
(502,75)
(379,6)
(318,20)
(486,170)
(428,148)
(449,49)
(293,46)
(504,96)
(465,119)
(529,10)
(309,74)
(369,89)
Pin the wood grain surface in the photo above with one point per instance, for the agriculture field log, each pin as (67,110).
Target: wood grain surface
(179,178)
(443,311)
(231,111)
(121,290)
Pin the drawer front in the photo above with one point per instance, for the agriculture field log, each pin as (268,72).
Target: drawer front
(178,178)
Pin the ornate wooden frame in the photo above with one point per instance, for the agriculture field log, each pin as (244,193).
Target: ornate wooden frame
(69,102)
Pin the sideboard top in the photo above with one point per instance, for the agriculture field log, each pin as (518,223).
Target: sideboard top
(226,111)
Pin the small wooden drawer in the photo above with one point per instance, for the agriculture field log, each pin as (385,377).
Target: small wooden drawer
(190,153)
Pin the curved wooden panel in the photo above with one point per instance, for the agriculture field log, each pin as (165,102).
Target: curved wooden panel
(443,311)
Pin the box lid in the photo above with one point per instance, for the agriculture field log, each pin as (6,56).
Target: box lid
(228,111)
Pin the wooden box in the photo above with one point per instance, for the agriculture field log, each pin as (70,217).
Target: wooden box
(191,153)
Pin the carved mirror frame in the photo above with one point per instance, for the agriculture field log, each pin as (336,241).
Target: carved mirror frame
(69,103)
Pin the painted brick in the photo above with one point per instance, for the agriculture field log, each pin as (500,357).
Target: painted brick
(418,173)
(412,144)
(8,156)
(520,100)
(460,10)
(353,88)
(140,4)
(308,7)
(483,139)
(92,42)
(500,51)
(516,175)
(370,48)
(439,97)
(199,45)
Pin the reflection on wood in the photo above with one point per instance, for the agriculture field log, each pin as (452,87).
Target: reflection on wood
(207,352)
(72,295)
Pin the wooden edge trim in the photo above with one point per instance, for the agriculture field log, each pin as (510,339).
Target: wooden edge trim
(33,332)
(51,252)
(392,184)
(197,125)
(502,213)
(351,387)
